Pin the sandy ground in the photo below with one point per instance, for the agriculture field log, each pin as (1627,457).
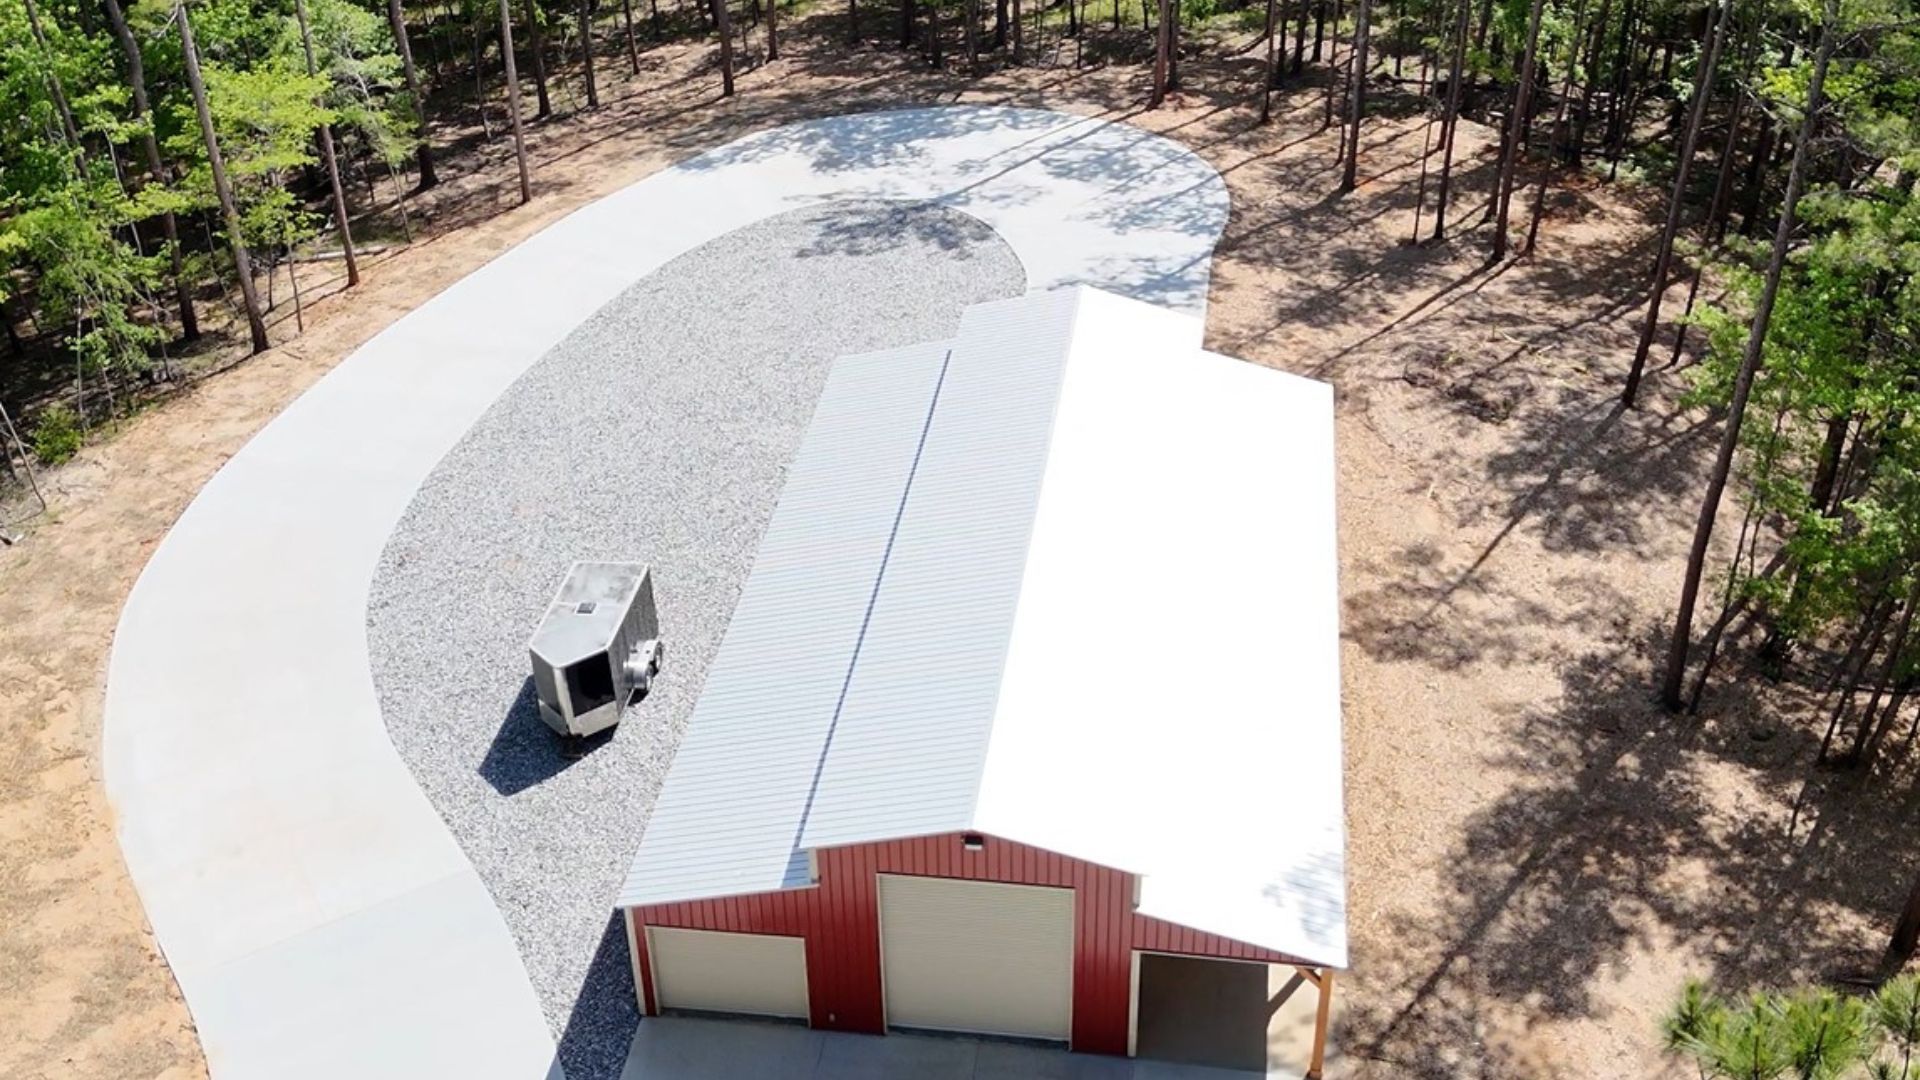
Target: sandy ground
(1538,856)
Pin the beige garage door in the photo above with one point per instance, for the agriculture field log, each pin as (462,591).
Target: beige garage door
(977,956)
(737,973)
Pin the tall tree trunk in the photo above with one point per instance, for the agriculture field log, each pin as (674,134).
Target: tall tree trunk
(26,458)
(1828,469)
(398,24)
(1846,678)
(1553,136)
(584,9)
(1173,44)
(1749,364)
(242,265)
(537,52)
(396,19)
(1333,80)
(1578,142)
(156,171)
(1019,44)
(1426,145)
(906,24)
(723,22)
(1723,175)
(1160,47)
(1357,92)
(327,159)
(513,101)
(293,280)
(1516,128)
(479,79)
(1267,77)
(55,87)
(1663,259)
(1763,156)
(633,50)
(970,12)
(1397,16)
(1300,39)
(1889,671)
(1456,75)
(1906,933)
(1618,108)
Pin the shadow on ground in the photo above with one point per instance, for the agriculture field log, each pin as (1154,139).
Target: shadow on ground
(593,1046)
(526,751)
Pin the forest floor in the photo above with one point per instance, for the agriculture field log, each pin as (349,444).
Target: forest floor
(1538,855)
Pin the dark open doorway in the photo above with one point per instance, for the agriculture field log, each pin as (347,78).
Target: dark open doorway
(1208,1012)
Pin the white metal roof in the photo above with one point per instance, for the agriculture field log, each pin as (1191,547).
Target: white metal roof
(1096,612)
(729,815)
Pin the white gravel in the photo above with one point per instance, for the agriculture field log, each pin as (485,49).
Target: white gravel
(659,431)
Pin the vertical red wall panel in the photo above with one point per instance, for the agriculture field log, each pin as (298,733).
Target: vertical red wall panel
(840,919)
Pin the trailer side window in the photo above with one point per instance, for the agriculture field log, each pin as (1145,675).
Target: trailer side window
(590,684)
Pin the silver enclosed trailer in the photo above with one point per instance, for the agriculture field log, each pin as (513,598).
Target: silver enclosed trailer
(597,646)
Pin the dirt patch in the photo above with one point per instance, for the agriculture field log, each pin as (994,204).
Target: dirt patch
(1538,856)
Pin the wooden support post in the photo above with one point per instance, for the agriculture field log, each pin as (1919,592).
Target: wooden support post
(1319,1059)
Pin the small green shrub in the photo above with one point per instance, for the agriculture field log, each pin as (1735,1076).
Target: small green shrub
(57,436)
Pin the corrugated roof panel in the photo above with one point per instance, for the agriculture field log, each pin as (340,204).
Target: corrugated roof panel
(913,730)
(731,808)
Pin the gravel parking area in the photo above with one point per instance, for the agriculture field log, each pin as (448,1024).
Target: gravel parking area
(659,431)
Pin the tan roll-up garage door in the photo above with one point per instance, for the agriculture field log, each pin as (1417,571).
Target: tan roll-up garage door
(977,956)
(761,974)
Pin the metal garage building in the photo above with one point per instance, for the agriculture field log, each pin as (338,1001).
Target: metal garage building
(1036,674)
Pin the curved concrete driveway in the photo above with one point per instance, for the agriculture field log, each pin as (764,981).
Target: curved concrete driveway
(318,915)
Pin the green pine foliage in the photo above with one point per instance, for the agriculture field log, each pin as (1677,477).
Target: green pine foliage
(1805,1034)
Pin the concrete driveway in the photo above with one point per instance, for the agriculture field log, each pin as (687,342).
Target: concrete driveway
(320,918)
(689,1048)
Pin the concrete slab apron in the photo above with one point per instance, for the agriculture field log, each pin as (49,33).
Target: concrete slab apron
(321,920)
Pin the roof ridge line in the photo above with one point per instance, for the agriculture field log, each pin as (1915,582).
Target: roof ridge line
(873,597)
(1076,296)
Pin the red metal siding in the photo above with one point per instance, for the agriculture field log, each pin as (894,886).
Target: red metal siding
(840,920)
